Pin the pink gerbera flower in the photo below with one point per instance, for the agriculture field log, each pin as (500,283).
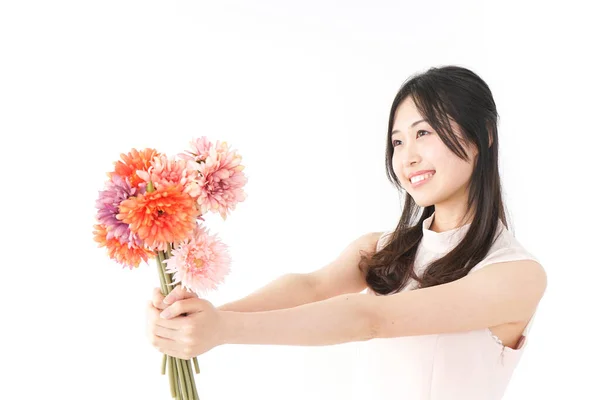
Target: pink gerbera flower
(166,171)
(200,148)
(200,263)
(222,180)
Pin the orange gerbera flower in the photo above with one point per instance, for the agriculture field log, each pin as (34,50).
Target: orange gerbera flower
(167,215)
(133,161)
(121,252)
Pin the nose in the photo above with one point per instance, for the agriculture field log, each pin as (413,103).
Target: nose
(410,156)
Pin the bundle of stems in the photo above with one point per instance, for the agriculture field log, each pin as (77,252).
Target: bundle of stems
(181,377)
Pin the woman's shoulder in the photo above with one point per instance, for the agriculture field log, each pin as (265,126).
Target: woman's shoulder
(371,241)
(504,249)
(368,241)
(383,238)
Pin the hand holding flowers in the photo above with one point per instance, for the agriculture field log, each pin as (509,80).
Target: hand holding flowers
(182,325)
(152,207)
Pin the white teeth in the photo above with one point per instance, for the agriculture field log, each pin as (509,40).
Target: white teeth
(419,178)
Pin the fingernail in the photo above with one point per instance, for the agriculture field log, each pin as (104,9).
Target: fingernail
(165,314)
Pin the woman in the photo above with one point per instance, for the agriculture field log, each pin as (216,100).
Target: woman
(450,292)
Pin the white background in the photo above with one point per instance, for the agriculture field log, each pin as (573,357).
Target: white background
(302,90)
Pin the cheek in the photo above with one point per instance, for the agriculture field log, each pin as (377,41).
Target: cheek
(436,154)
(456,171)
(397,168)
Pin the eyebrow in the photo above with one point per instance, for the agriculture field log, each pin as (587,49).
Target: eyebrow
(411,126)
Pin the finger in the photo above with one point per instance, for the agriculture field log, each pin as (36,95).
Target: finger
(180,307)
(154,330)
(157,299)
(164,333)
(171,347)
(154,318)
(175,295)
(178,293)
(163,345)
(174,353)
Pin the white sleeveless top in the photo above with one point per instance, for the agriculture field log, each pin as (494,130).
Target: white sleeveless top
(469,365)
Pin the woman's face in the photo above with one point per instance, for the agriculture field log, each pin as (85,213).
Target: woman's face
(417,147)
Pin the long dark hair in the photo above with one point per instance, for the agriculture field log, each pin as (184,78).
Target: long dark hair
(439,93)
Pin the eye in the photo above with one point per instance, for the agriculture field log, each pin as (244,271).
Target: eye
(419,131)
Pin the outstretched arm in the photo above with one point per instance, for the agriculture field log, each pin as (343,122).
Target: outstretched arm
(499,293)
(339,319)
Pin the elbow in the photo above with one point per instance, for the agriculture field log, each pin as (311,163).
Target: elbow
(373,332)
(373,322)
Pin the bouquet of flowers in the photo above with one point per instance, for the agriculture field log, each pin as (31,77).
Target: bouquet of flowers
(152,207)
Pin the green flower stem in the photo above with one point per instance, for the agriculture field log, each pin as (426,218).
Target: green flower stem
(191,374)
(166,276)
(183,371)
(188,379)
(171,377)
(161,273)
(164,365)
(173,366)
(174,374)
(182,385)
(163,287)
(169,280)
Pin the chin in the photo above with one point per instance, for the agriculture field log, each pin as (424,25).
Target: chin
(421,202)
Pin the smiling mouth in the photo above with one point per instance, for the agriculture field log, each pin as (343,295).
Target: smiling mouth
(420,180)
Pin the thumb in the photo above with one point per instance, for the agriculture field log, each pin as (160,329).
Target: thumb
(178,293)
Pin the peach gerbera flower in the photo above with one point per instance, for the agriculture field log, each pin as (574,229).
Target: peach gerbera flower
(221,181)
(200,263)
(166,171)
(127,254)
(132,162)
(166,215)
